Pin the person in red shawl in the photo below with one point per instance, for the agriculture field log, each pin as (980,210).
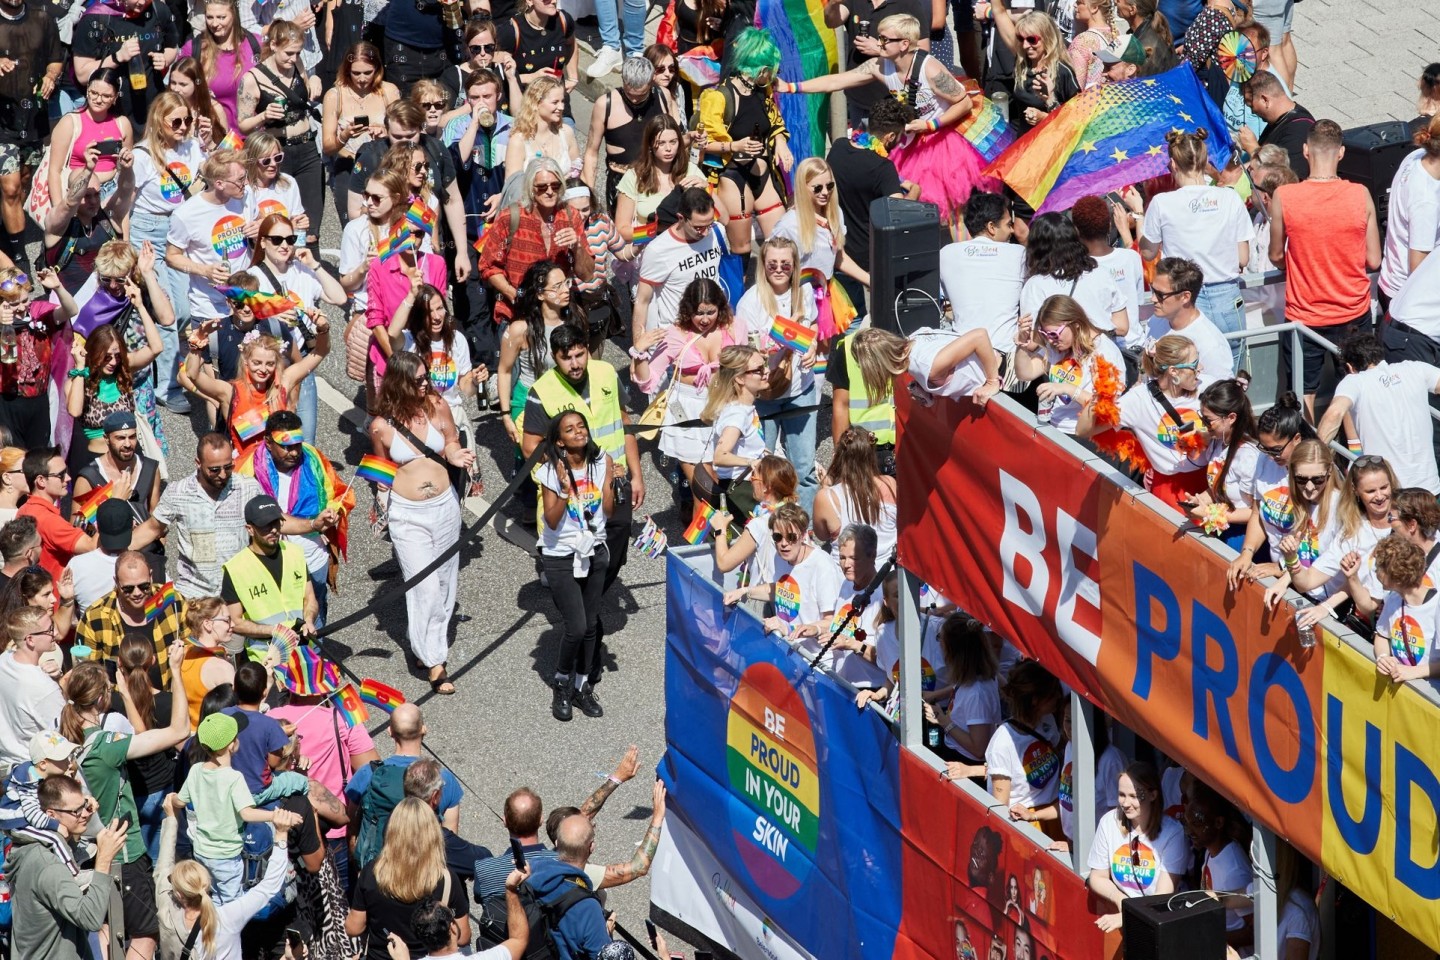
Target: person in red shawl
(317,505)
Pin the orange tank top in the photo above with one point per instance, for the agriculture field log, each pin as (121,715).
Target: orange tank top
(1325,279)
(245,400)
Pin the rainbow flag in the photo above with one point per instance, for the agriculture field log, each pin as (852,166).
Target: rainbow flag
(788,333)
(307,670)
(420,217)
(164,599)
(350,706)
(807,49)
(250,424)
(1109,137)
(643,233)
(380,695)
(986,128)
(701,66)
(399,241)
(699,524)
(480,238)
(652,542)
(376,470)
(234,140)
(89,505)
(263,305)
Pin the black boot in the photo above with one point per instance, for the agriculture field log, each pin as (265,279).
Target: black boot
(585,699)
(560,705)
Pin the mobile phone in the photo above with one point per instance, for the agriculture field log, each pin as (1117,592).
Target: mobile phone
(108,148)
(650,932)
(361,121)
(125,821)
(517,853)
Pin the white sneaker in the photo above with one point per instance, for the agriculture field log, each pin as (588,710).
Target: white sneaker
(606,61)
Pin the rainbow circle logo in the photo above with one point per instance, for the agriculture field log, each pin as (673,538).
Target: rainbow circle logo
(774,781)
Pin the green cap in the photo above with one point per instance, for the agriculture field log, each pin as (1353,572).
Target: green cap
(217,731)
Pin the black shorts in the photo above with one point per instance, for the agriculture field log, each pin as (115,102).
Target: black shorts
(1313,354)
(137,895)
(744,175)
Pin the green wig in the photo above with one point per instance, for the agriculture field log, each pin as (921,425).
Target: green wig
(754,56)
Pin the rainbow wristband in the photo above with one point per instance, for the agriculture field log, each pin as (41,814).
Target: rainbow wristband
(1354,445)
(933,125)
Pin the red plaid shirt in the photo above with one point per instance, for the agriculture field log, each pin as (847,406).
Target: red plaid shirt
(513,255)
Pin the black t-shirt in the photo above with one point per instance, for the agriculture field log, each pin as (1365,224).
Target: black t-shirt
(273,566)
(861,177)
(1290,133)
(98,36)
(33,42)
(157,771)
(863,21)
(384,912)
(415,23)
(838,372)
(1025,95)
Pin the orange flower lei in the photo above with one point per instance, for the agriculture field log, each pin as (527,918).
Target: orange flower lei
(1109,438)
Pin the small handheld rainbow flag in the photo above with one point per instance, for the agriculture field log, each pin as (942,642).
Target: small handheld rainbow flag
(380,695)
(652,541)
(420,216)
(350,706)
(164,599)
(377,470)
(789,333)
(699,524)
(263,305)
(399,242)
(234,140)
(480,238)
(643,233)
(88,506)
(250,424)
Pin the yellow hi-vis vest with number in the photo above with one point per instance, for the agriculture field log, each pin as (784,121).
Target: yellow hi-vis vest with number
(878,418)
(603,412)
(264,600)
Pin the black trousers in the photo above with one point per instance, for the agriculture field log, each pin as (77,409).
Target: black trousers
(28,420)
(578,599)
(304,163)
(405,64)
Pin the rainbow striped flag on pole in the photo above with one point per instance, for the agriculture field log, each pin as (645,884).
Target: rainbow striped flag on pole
(400,241)
(164,599)
(792,334)
(88,506)
(350,706)
(377,470)
(250,424)
(381,695)
(699,524)
(263,305)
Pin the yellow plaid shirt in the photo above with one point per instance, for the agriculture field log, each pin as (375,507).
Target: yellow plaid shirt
(102,631)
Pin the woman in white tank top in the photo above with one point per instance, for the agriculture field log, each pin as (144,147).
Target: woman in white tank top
(857,492)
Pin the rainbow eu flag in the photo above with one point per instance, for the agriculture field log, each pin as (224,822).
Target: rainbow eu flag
(789,333)
(377,470)
(699,524)
(250,424)
(165,598)
(380,695)
(89,505)
(1109,137)
(350,706)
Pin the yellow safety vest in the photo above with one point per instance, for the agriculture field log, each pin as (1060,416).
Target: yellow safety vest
(603,412)
(264,600)
(878,418)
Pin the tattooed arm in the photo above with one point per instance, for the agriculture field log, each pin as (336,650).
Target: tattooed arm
(948,89)
(327,805)
(639,865)
(624,771)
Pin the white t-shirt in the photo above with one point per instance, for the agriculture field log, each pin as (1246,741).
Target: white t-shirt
(1065,409)
(1414,220)
(750,446)
(1411,629)
(975,703)
(1142,414)
(1240,479)
(982,279)
(808,591)
(94,574)
(282,197)
(446,367)
(1216,360)
(1334,549)
(32,703)
(210,233)
(1065,796)
(865,619)
(822,255)
(668,264)
(299,281)
(1270,494)
(317,554)
(762,561)
(932,658)
(1299,920)
(1033,765)
(158,194)
(1229,871)
(1135,862)
(1095,291)
(1417,304)
(1202,224)
(1390,403)
(928,342)
(1129,275)
(582,524)
(757,321)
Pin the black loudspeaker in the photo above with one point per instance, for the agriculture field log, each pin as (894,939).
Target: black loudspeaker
(1372,155)
(904,256)
(1174,926)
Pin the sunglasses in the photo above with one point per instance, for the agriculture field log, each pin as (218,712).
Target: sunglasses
(271,161)
(432,104)
(110,281)
(551,187)
(281,240)
(784,267)
(1368,461)
(222,468)
(1053,336)
(14,283)
(886,41)
(1275,451)
(180,123)
(1192,365)
(419,166)
(667,68)
(780,538)
(817,188)
(1033,40)
(374,198)
(145,587)
(482,48)
(1311,481)
(1161,296)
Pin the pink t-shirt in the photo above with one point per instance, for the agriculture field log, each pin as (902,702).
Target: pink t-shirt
(387,287)
(317,729)
(225,81)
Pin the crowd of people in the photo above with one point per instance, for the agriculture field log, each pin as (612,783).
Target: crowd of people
(180,779)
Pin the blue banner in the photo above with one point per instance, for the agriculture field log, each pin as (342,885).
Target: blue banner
(791,789)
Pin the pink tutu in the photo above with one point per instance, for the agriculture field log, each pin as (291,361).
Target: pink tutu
(947,168)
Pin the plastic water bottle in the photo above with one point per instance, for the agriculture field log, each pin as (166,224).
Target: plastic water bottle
(1307,633)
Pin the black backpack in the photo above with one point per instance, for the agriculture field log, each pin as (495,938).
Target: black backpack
(543,917)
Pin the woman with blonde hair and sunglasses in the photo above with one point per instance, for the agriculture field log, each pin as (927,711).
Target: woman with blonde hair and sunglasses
(1073,359)
(167,173)
(187,80)
(270,191)
(817,226)
(736,441)
(942,363)
(1044,78)
(183,896)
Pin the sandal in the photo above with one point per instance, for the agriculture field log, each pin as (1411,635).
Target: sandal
(442,681)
